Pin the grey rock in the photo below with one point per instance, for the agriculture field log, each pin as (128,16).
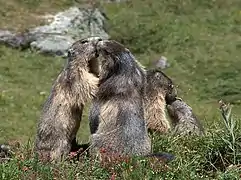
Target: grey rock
(66,28)
(20,40)
(56,45)
(63,29)
(4,35)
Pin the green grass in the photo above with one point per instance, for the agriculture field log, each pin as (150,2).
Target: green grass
(208,157)
(25,84)
(202,41)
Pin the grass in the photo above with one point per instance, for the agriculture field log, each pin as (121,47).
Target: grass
(208,157)
(202,42)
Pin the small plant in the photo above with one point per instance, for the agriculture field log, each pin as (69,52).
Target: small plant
(232,129)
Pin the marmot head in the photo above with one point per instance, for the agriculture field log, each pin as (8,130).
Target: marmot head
(116,59)
(84,53)
(156,79)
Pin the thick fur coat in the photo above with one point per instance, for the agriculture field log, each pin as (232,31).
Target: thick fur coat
(159,91)
(76,84)
(117,115)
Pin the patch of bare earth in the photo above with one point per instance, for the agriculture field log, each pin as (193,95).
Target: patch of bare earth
(18,15)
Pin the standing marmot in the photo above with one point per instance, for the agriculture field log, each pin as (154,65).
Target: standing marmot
(159,91)
(74,86)
(184,120)
(117,117)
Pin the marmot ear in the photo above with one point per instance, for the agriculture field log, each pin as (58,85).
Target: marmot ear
(171,86)
(127,50)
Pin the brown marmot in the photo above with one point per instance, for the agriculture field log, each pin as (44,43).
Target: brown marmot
(159,91)
(117,116)
(183,119)
(75,85)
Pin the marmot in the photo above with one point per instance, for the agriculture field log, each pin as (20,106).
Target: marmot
(159,91)
(5,153)
(75,85)
(183,119)
(117,116)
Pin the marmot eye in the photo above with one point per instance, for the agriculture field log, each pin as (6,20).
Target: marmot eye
(171,86)
(68,54)
(157,75)
(84,41)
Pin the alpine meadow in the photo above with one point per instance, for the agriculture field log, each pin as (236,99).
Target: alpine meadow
(202,43)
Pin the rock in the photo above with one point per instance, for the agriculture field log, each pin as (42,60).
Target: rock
(56,45)
(4,35)
(20,40)
(162,63)
(64,29)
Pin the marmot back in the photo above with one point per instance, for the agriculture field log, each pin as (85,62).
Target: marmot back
(159,92)
(183,119)
(117,116)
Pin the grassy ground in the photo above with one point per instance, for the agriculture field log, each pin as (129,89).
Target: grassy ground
(202,41)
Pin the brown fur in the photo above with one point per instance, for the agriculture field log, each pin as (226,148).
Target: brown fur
(117,116)
(74,86)
(159,91)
